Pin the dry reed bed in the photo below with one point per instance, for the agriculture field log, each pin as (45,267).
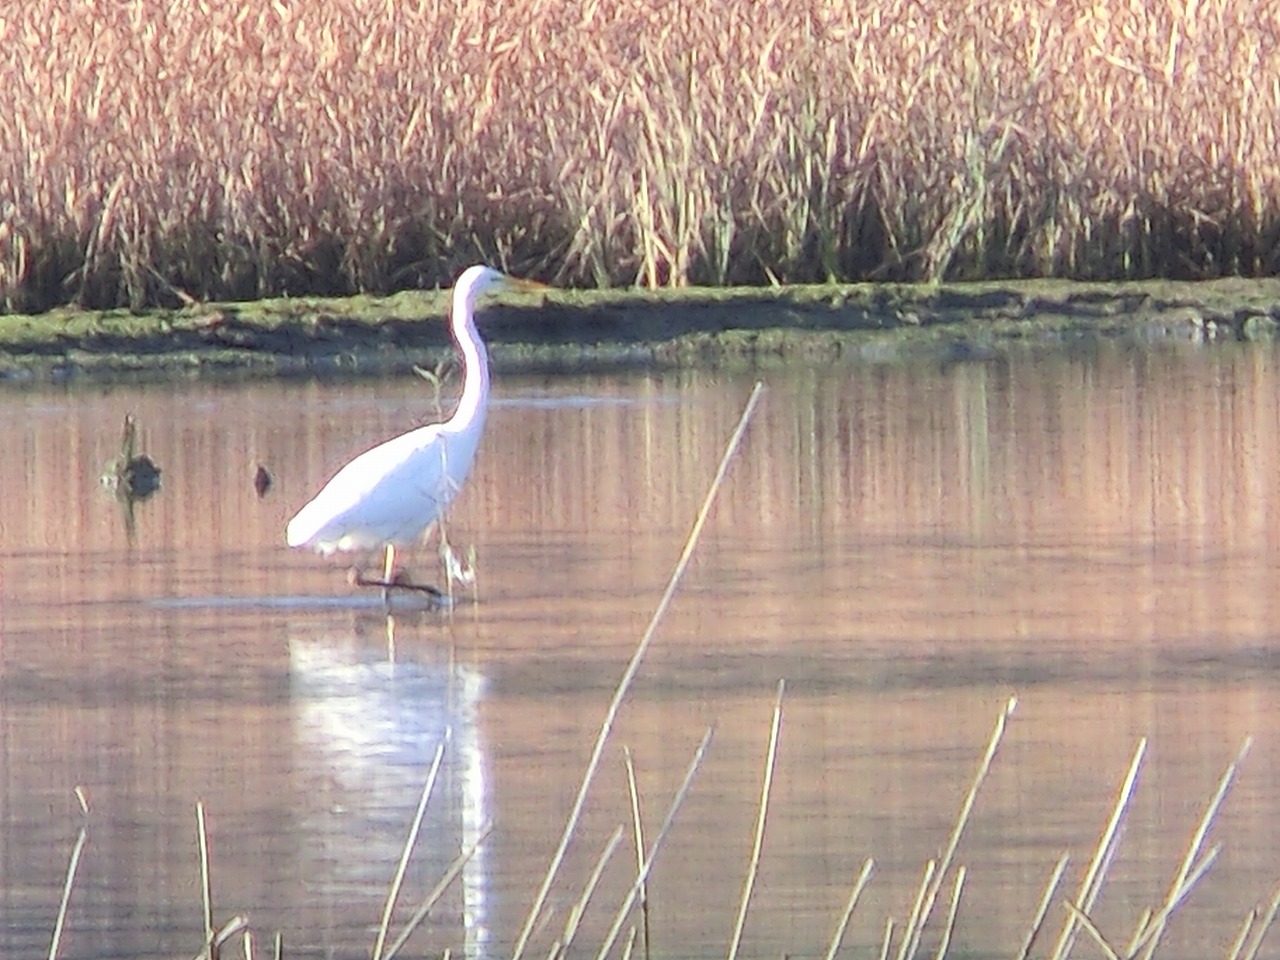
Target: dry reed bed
(153,150)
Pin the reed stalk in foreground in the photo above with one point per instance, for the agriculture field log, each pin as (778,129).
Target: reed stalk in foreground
(397,881)
(624,908)
(73,867)
(1194,866)
(633,667)
(637,833)
(561,947)
(1104,855)
(766,788)
(936,873)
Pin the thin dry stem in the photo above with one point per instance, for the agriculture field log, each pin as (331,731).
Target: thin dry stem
(766,787)
(1147,937)
(1261,929)
(1042,909)
(915,920)
(428,902)
(886,942)
(574,919)
(1246,926)
(624,684)
(629,947)
(953,911)
(73,867)
(206,878)
(854,896)
(637,833)
(677,801)
(1094,877)
(397,880)
(1082,919)
(933,884)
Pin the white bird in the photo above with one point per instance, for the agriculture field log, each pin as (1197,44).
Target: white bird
(391,495)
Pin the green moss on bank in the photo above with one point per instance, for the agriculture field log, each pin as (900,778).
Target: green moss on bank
(577,330)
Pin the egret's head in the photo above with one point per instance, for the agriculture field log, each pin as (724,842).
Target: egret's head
(480,279)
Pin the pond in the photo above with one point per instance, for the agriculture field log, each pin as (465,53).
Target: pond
(1091,528)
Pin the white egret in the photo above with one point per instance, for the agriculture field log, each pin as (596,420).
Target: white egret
(391,495)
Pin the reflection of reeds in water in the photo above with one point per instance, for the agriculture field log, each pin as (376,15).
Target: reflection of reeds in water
(920,921)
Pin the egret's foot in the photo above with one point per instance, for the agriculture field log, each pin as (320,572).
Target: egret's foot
(399,580)
(456,569)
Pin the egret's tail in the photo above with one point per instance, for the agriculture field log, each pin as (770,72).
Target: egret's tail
(302,529)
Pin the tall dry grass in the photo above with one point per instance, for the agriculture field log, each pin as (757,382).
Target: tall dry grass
(157,149)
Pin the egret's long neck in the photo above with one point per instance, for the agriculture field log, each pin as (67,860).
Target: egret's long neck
(475,366)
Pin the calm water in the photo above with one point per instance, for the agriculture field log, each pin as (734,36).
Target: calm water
(1094,531)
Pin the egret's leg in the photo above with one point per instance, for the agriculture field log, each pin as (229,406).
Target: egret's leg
(388,566)
(446,558)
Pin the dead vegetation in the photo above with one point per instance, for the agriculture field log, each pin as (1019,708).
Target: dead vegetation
(169,149)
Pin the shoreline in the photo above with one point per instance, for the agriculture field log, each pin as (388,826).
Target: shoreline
(563,331)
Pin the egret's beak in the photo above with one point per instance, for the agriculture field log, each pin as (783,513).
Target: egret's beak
(520,285)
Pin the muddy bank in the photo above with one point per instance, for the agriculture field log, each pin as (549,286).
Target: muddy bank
(585,330)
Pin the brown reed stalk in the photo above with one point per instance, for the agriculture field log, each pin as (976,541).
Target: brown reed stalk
(1104,853)
(637,833)
(935,873)
(887,940)
(561,948)
(1147,938)
(73,867)
(762,815)
(624,908)
(1082,920)
(397,880)
(1237,945)
(953,911)
(855,894)
(206,881)
(916,919)
(433,896)
(1042,909)
(628,948)
(1261,929)
(633,667)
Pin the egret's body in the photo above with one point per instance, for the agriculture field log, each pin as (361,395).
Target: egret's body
(392,494)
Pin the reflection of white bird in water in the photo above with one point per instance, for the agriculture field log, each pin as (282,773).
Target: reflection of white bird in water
(391,495)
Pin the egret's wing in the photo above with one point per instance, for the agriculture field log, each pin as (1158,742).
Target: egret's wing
(386,495)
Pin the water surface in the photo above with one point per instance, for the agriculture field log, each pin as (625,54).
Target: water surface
(1092,529)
